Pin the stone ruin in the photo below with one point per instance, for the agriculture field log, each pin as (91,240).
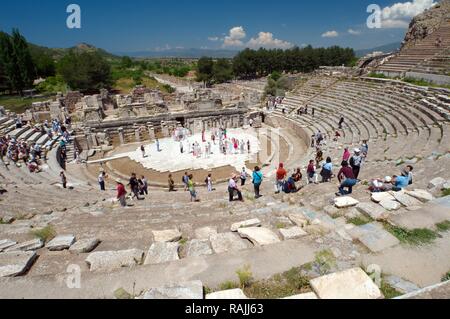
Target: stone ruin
(200,100)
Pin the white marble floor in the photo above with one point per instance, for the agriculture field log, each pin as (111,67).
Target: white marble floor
(171,159)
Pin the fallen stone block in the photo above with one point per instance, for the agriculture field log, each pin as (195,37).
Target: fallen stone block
(6,243)
(162,252)
(292,233)
(349,284)
(346,201)
(406,200)
(421,195)
(390,205)
(227,295)
(111,260)
(16,263)
(259,236)
(84,245)
(170,235)
(30,245)
(226,242)
(205,232)
(375,211)
(379,197)
(248,223)
(196,248)
(61,243)
(192,290)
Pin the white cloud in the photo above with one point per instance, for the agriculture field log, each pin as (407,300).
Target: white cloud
(213,39)
(354,32)
(330,34)
(235,37)
(266,40)
(399,14)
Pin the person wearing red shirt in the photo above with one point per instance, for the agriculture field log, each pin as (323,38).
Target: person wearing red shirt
(347,179)
(281,176)
(121,193)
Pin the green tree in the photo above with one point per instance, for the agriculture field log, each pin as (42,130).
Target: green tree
(205,70)
(222,71)
(24,65)
(85,71)
(45,65)
(126,62)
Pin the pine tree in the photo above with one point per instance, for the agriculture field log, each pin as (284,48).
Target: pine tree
(23,62)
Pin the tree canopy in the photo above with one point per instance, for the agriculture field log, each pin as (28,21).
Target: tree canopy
(85,71)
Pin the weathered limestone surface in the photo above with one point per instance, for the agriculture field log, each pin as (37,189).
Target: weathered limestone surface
(247,223)
(31,245)
(436,183)
(110,260)
(196,248)
(162,252)
(401,285)
(259,236)
(227,295)
(376,212)
(292,233)
(6,243)
(61,243)
(169,235)
(374,237)
(379,197)
(390,205)
(84,245)
(190,290)
(421,195)
(349,284)
(298,219)
(16,263)
(346,201)
(222,243)
(406,200)
(205,232)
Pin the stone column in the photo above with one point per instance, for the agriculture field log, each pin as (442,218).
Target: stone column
(121,136)
(151,131)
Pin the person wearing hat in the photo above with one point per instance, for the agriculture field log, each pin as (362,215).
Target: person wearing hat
(121,193)
(232,188)
(355,162)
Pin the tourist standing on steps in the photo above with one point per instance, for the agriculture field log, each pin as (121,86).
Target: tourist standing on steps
(341,122)
(281,178)
(63,179)
(355,162)
(171,183)
(232,188)
(134,186)
(365,149)
(121,193)
(347,180)
(185,181)
(327,171)
(191,187)
(101,181)
(347,155)
(209,183)
(257,181)
(144,183)
(158,149)
(243,176)
(143,151)
(311,171)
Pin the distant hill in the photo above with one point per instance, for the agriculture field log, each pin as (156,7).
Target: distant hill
(384,48)
(58,53)
(181,53)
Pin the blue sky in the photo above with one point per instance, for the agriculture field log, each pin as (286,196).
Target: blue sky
(140,25)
